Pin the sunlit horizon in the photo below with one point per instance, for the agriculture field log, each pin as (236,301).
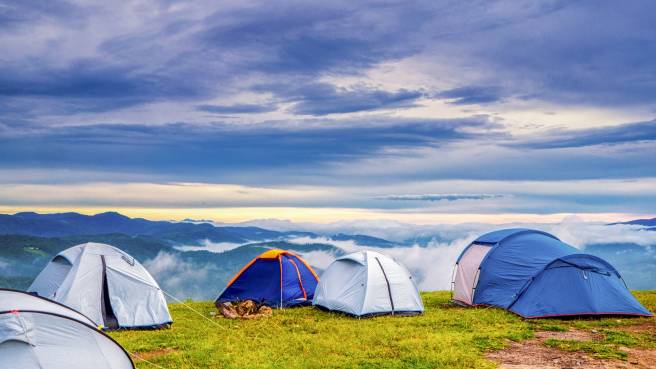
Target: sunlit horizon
(328,215)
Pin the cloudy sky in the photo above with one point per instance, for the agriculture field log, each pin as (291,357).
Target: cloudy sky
(412,111)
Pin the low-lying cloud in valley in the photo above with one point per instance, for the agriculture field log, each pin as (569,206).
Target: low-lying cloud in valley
(429,252)
(180,278)
(207,245)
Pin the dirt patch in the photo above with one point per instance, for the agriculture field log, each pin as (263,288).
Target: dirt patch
(647,327)
(533,354)
(641,358)
(147,355)
(574,335)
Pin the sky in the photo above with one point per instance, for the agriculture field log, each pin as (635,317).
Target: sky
(420,111)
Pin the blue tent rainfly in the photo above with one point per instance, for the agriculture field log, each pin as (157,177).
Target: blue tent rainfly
(535,275)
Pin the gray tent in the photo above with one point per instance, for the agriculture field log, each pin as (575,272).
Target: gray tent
(36,333)
(105,284)
(368,283)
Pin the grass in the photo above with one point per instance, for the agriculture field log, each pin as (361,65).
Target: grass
(446,336)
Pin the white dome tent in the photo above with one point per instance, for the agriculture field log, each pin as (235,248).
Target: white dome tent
(368,283)
(104,283)
(36,333)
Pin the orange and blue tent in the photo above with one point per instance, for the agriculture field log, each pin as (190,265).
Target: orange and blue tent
(275,278)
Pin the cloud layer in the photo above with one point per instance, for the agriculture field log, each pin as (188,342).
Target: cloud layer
(431,251)
(346,94)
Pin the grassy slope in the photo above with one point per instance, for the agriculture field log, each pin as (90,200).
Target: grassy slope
(444,337)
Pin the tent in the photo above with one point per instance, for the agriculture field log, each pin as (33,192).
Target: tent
(36,333)
(535,275)
(368,283)
(275,278)
(105,284)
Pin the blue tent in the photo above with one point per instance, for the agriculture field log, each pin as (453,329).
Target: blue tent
(535,275)
(275,278)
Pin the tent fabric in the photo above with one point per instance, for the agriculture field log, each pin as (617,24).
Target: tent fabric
(467,273)
(13,299)
(274,278)
(106,284)
(592,287)
(515,259)
(39,334)
(534,274)
(368,283)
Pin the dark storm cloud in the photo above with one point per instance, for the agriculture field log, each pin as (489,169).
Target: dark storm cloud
(322,98)
(237,108)
(88,86)
(624,133)
(219,149)
(592,54)
(472,95)
(598,53)
(16,13)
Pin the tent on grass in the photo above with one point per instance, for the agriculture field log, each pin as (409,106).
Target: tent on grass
(368,283)
(535,275)
(36,333)
(276,278)
(105,284)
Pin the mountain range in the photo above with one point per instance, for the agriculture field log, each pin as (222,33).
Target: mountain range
(194,259)
(29,240)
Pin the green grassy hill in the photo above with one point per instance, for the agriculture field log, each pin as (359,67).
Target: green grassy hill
(446,336)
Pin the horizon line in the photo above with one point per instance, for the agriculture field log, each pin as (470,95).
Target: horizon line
(235,215)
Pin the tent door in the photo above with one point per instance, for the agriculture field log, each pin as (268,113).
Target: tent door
(300,280)
(107,312)
(389,289)
(467,269)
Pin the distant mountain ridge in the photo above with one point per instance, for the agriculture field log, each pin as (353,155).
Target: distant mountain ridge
(28,240)
(71,224)
(643,222)
(75,224)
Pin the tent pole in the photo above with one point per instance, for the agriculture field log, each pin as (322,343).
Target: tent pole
(280,261)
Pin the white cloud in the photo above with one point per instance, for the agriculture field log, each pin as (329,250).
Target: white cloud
(179,278)
(580,234)
(207,245)
(430,259)
(431,265)
(318,259)
(433,262)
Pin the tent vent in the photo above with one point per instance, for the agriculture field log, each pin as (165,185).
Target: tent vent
(128,260)
(61,260)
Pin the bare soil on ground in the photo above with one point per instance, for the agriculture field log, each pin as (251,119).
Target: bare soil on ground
(534,354)
(147,355)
